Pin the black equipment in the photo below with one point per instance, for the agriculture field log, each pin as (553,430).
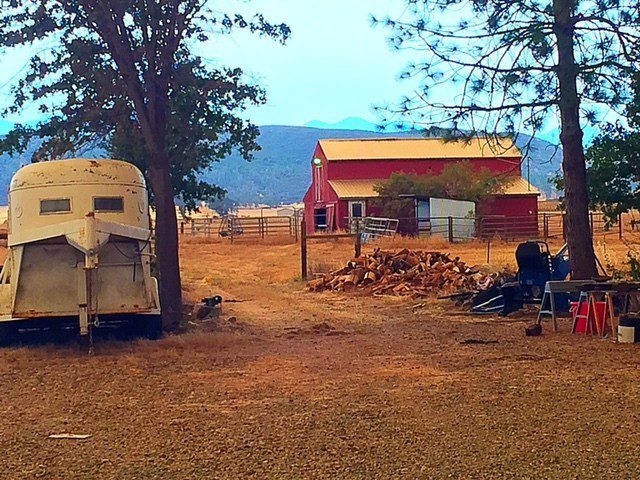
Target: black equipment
(536,266)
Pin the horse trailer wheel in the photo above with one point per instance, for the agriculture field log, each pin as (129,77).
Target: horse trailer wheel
(153,327)
(147,326)
(8,333)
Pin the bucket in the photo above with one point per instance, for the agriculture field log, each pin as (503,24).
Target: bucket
(626,334)
(629,329)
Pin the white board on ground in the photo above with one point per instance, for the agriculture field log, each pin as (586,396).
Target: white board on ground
(70,436)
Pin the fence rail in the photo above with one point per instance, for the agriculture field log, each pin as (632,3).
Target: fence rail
(546,225)
(235,227)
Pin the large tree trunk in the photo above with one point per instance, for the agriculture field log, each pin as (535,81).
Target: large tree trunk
(166,242)
(579,235)
(150,100)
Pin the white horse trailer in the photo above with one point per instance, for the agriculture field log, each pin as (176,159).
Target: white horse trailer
(78,255)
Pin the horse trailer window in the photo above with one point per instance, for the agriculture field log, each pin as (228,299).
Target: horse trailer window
(55,205)
(108,204)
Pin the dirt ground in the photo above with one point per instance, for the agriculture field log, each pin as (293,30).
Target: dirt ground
(291,385)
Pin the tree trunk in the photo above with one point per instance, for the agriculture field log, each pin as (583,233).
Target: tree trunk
(166,242)
(579,238)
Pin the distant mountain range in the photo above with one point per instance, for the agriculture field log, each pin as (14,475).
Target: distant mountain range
(351,123)
(281,173)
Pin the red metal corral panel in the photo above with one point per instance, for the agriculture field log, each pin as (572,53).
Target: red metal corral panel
(512,206)
(511,216)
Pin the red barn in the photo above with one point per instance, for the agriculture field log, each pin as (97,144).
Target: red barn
(345,172)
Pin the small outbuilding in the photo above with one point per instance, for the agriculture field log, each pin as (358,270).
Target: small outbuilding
(345,172)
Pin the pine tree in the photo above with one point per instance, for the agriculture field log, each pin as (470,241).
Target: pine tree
(512,64)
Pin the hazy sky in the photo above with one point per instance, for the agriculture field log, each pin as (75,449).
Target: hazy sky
(335,65)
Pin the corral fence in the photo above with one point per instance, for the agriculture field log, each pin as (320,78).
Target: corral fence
(355,235)
(236,227)
(545,225)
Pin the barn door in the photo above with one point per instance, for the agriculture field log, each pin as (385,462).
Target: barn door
(423,213)
(331,217)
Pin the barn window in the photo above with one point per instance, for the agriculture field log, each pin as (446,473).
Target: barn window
(108,204)
(320,218)
(55,205)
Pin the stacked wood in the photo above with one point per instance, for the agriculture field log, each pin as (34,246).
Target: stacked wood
(407,272)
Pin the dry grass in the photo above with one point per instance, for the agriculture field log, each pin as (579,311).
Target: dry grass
(266,277)
(280,239)
(324,386)
(215,263)
(611,251)
(324,266)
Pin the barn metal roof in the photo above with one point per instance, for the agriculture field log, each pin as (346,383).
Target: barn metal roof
(418,149)
(346,189)
(519,186)
(351,189)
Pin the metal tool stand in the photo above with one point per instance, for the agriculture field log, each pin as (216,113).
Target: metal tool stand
(548,304)
(548,298)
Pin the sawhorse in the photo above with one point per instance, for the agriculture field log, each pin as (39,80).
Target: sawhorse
(548,304)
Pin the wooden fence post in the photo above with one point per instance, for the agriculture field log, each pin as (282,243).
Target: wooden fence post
(450,230)
(488,250)
(181,228)
(620,227)
(358,241)
(303,248)
(591,223)
(545,226)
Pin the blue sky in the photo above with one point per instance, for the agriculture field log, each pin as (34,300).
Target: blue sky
(335,65)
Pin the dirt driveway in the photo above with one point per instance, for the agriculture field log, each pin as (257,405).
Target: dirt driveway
(296,385)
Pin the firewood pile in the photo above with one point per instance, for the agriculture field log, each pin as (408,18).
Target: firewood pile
(410,273)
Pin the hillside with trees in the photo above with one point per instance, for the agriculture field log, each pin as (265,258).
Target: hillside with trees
(280,173)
